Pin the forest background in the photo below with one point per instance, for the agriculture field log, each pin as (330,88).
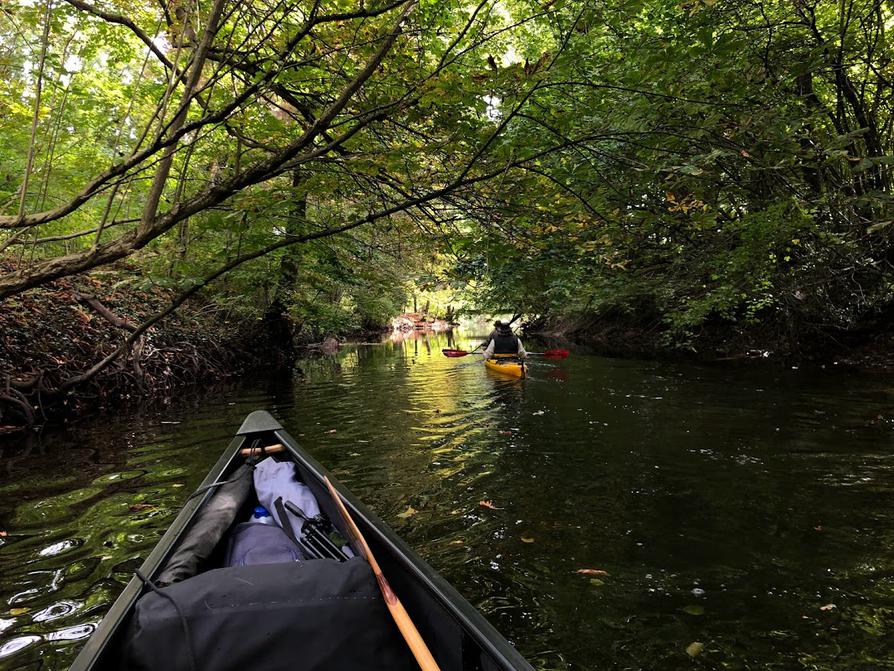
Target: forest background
(177,178)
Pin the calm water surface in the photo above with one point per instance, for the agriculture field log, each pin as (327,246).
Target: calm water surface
(745,511)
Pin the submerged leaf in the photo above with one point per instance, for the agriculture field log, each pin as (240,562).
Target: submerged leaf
(694,610)
(591,571)
(527,539)
(695,648)
(136,507)
(408,513)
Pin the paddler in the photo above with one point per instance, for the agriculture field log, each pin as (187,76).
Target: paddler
(504,342)
(493,334)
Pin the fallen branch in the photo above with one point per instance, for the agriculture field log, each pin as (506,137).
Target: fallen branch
(96,305)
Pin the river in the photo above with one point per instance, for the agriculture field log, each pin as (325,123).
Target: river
(739,515)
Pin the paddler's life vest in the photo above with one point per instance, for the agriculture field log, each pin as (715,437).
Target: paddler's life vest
(506,343)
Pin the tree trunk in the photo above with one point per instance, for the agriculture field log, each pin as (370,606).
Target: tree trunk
(278,326)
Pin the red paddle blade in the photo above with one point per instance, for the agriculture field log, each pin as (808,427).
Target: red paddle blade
(453,352)
(556,354)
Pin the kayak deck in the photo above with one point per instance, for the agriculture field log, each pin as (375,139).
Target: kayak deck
(457,634)
(510,367)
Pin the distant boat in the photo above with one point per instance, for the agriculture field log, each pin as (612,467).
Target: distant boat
(416,321)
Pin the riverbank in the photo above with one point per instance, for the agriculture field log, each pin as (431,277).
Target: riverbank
(617,334)
(56,342)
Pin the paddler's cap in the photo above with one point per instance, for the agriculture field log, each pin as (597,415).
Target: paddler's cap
(498,323)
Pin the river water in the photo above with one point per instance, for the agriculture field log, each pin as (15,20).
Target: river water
(740,515)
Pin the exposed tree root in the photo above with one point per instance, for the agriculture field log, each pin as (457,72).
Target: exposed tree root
(83,343)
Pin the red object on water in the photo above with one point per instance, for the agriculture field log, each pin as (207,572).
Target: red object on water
(548,354)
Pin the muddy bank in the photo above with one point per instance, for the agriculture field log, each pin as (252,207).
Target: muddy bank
(56,342)
(646,335)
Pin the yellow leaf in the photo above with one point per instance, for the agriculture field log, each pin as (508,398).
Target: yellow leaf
(695,648)
(18,611)
(527,539)
(408,513)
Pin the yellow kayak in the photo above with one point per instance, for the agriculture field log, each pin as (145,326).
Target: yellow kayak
(511,367)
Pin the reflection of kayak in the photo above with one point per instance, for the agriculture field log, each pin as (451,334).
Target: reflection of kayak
(458,635)
(510,366)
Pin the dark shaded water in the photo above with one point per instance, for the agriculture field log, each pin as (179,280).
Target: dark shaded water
(731,508)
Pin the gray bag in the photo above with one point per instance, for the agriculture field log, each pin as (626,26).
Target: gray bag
(208,527)
(253,543)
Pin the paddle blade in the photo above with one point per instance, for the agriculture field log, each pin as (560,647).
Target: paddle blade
(556,354)
(454,352)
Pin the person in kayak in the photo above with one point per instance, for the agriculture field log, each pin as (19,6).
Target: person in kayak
(493,334)
(505,343)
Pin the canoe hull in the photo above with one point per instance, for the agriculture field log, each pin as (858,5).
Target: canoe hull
(513,368)
(458,635)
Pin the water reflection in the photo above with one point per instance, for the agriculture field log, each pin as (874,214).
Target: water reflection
(725,507)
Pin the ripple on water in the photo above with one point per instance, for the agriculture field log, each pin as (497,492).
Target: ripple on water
(17,644)
(56,611)
(53,509)
(61,547)
(75,633)
(115,478)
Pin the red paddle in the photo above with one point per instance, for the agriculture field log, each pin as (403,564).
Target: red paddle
(552,354)
(548,354)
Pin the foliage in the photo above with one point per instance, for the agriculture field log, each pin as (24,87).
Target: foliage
(699,161)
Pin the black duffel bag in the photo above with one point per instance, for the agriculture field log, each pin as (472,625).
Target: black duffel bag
(296,616)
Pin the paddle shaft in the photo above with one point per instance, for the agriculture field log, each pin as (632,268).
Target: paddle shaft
(398,612)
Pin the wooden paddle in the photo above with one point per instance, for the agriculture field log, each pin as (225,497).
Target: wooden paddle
(398,612)
(262,451)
